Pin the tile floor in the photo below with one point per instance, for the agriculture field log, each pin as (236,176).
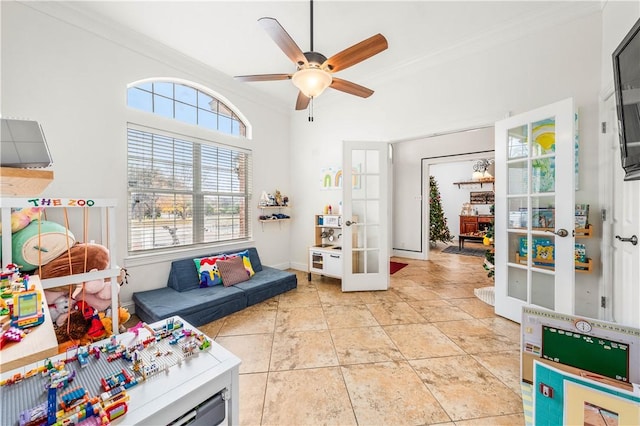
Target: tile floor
(427,351)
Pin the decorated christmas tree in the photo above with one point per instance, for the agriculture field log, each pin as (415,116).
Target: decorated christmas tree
(489,256)
(439,231)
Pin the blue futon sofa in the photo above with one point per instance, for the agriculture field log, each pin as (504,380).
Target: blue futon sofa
(183,296)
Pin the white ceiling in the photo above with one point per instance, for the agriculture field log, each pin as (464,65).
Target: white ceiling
(226,36)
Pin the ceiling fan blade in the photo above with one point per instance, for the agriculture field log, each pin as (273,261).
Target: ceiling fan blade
(356,53)
(263,77)
(283,40)
(350,88)
(302,102)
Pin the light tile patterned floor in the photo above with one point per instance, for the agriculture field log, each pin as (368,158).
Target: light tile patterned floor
(427,351)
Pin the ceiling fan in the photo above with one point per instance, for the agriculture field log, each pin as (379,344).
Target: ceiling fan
(314,71)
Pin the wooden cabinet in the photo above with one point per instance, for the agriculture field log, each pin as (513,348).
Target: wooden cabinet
(474,224)
(325,256)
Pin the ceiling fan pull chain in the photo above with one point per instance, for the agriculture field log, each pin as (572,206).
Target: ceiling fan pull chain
(311,109)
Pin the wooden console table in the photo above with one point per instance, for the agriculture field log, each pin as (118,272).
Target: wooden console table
(463,237)
(474,223)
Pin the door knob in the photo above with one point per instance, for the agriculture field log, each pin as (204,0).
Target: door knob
(349,223)
(560,232)
(633,240)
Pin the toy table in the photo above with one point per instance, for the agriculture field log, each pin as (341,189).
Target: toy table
(40,343)
(159,399)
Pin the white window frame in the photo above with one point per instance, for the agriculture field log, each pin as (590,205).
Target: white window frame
(169,127)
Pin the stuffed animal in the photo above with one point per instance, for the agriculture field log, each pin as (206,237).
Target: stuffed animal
(107,322)
(84,257)
(96,293)
(60,309)
(21,218)
(76,329)
(96,330)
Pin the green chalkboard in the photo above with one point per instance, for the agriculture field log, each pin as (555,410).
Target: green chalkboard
(590,353)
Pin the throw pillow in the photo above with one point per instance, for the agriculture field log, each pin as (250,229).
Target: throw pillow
(246,261)
(232,271)
(208,270)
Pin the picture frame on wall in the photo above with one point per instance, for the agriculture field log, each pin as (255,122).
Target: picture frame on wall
(484,197)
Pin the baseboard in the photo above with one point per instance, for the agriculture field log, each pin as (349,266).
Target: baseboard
(299,266)
(129,306)
(408,254)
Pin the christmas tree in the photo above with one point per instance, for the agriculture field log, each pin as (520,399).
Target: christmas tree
(489,256)
(439,231)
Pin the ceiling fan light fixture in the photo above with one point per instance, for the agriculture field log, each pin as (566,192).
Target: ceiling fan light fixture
(311,81)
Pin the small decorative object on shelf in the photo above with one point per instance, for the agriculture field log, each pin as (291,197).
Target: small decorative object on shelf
(582,216)
(273,200)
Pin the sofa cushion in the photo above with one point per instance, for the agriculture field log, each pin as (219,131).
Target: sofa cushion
(245,261)
(183,276)
(232,271)
(268,283)
(208,270)
(157,304)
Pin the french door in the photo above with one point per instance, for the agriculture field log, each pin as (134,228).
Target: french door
(366,213)
(620,256)
(535,211)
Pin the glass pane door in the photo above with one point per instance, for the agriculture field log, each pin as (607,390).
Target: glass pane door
(533,202)
(366,212)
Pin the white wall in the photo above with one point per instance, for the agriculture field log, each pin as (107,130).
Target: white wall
(73,81)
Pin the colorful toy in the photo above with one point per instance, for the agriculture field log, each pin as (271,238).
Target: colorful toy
(13,334)
(27,309)
(148,355)
(23,217)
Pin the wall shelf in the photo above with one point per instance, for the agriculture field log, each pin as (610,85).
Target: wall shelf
(475,182)
(269,218)
(584,267)
(15,182)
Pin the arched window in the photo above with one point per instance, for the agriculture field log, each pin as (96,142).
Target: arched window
(185,103)
(185,190)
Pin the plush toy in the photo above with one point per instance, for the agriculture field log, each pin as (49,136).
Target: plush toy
(40,242)
(21,218)
(107,322)
(59,303)
(75,330)
(96,293)
(84,257)
(60,309)
(96,330)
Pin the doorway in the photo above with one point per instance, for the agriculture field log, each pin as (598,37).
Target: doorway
(412,162)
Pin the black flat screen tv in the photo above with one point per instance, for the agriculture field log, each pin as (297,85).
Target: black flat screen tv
(626,78)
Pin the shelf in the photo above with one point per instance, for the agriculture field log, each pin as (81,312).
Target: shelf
(273,220)
(578,232)
(584,232)
(475,182)
(270,217)
(584,267)
(15,182)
